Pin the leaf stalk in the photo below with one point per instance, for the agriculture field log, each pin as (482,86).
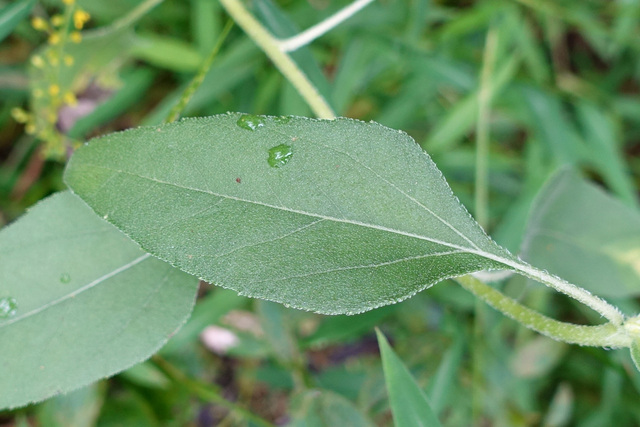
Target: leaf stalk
(606,335)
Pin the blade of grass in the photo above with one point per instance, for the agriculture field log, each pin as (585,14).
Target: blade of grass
(12,14)
(409,404)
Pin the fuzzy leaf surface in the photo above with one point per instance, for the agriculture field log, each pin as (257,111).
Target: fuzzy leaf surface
(335,216)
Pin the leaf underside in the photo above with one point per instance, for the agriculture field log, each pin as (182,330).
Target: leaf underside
(88,302)
(334,216)
(586,236)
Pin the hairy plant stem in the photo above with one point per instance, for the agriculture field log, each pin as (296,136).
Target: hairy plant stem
(607,335)
(599,305)
(269,44)
(197,80)
(206,392)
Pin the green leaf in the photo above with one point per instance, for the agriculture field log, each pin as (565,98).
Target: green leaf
(275,321)
(12,14)
(581,233)
(321,408)
(409,404)
(334,216)
(166,52)
(339,329)
(635,353)
(79,301)
(79,408)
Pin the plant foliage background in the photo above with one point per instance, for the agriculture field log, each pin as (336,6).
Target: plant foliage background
(563,83)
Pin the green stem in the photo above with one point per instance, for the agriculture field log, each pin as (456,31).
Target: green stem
(482,131)
(197,80)
(482,211)
(283,61)
(599,305)
(302,39)
(607,335)
(206,392)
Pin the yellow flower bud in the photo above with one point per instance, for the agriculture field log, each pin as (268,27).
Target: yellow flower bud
(75,37)
(39,24)
(57,20)
(19,115)
(68,2)
(37,61)
(54,38)
(68,60)
(30,128)
(80,17)
(70,99)
(53,58)
(52,117)
(54,90)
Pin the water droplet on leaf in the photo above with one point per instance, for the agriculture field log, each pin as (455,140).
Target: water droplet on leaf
(280,155)
(282,120)
(65,278)
(8,307)
(250,122)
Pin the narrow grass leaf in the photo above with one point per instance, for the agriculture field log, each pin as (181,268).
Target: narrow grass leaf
(79,301)
(12,14)
(440,390)
(167,52)
(409,404)
(333,216)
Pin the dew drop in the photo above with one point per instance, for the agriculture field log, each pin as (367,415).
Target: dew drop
(65,278)
(282,120)
(250,122)
(8,307)
(280,155)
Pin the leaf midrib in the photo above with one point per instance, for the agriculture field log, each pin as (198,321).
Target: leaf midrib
(478,252)
(78,291)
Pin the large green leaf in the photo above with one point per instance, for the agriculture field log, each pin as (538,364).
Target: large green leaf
(79,301)
(409,403)
(581,233)
(333,216)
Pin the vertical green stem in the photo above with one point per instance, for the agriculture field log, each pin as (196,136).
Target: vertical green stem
(482,131)
(482,209)
(195,83)
(283,61)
